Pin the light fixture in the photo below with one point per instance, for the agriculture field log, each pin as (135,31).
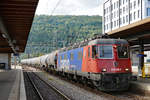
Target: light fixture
(126,69)
(104,70)
(4,36)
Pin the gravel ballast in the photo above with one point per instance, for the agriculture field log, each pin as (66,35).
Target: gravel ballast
(72,91)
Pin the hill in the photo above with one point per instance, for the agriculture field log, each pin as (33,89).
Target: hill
(49,33)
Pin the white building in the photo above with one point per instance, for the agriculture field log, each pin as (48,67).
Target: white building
(118,13)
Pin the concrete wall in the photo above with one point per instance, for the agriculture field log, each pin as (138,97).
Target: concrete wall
(6,58)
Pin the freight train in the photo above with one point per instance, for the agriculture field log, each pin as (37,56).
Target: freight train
(105,63)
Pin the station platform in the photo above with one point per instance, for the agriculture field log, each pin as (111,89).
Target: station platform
(141,86)
(12,84)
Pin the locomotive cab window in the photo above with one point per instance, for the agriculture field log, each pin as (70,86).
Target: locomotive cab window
(122,51)
(89,52)
(105,52)
(94,52)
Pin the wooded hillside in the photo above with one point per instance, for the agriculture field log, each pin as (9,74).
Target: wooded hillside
(49,33)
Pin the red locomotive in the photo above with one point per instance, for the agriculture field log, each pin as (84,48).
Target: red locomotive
(109,63)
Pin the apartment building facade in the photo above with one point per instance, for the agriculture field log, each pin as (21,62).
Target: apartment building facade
(119,13)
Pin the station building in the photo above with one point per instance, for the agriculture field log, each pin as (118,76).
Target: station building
(119,13)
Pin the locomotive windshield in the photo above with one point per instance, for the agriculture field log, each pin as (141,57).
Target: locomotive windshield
(102,52)
(105,51)
(122,51)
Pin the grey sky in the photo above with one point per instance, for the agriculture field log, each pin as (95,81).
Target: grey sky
(70,7)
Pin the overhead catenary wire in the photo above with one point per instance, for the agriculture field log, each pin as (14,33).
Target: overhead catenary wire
(57,4)
(55,7)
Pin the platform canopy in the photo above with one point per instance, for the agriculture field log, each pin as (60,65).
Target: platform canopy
(133,32)
(16,18)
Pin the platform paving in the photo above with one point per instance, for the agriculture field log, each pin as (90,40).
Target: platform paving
(12,84)
(142,86)
(7,79)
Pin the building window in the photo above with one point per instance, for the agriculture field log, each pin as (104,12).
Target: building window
(123,1)
(106,18)
(117,22)
(120,21)
(127,8)
(114,23)
(120,2)
(117,13)
(138,2)
(134,4)
(148,11)
(148,2)
(114,14)
(117,4)
(126,18)
(138,13)
(107,27)
(123,20)
(112,7)
(134,15)
(130,6)
(107,10)
(131,17)
(126,0)
(120,11)
(123,10)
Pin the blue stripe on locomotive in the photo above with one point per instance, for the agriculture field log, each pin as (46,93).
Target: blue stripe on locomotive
(70,64)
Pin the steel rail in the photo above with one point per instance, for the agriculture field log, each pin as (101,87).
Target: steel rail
(54,88)
(37,91)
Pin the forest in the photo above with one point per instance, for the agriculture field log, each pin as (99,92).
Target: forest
(49,33)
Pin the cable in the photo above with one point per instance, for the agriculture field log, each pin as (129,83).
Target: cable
(55,7)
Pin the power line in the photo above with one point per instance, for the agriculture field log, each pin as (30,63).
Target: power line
(55,7)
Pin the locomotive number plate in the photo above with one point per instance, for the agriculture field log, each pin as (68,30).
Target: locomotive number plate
(115,69)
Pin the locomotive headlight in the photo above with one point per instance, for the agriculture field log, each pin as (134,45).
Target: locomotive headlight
(104,70)
(126,69)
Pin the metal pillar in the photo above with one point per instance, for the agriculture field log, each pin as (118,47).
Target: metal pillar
(141,58)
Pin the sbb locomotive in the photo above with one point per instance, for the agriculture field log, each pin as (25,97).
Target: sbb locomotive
(103,62)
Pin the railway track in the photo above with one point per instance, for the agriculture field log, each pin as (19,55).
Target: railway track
(32,93)
(106,95)
(44,90)
(109,95)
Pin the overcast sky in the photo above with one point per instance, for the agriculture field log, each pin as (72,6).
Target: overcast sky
(70,7)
